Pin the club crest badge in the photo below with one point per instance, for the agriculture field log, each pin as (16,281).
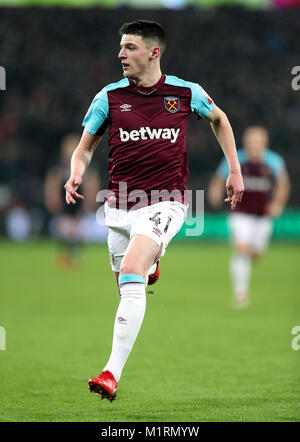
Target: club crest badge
(172,104)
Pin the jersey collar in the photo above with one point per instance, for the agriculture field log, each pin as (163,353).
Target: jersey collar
(148,90)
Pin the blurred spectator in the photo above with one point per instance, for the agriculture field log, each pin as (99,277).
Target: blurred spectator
(71,224)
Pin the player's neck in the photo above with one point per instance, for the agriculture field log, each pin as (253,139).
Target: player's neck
(148,79)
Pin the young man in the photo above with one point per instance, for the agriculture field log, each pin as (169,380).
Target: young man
(251,225)
(147,117)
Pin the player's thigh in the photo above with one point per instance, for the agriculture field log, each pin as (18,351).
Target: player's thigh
(160,222)
(263,233)
(151,229)
(140,255)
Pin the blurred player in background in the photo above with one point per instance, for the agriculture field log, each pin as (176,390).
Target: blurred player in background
(66,219)
(146,113)
(266,193)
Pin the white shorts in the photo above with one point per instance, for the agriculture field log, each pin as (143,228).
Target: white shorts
(160,222)
(251,230)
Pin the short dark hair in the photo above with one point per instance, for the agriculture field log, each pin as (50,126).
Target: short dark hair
(148,30)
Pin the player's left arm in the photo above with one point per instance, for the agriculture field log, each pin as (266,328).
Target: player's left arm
(224,134)
(281,194)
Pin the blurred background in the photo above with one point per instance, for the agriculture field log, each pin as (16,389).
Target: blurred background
(58,54)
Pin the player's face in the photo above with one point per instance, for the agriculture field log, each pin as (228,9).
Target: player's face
(255,142)
(134,56)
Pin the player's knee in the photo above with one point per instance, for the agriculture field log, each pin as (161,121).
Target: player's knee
(131,267)
(255,256)
(243,249)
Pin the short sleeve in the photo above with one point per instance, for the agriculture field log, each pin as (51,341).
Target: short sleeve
(97,113)
(275,162)
(201,103)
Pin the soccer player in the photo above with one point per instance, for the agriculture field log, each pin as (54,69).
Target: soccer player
(146,113)
(266,193)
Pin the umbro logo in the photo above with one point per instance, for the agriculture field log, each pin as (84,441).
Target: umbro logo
(157,231)
(121,320)
(125,107)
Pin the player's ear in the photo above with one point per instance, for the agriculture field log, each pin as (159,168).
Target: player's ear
(155,52)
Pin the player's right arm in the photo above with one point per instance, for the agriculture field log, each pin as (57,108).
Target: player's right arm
(80,160)
(203,105)
(216,187)
(224,134)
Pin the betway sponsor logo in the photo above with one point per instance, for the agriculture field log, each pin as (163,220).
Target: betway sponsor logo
(145,133)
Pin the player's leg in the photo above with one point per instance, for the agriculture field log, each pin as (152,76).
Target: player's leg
(241,226)
(140,255)
(135,265)
(153,275)
(240,268)
(146,246)
(151,278)
(261,239)
(118,239)
(152,229)
(116,277)
(130,313)
(70,236)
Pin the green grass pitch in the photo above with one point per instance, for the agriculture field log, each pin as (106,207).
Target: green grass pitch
(196,358)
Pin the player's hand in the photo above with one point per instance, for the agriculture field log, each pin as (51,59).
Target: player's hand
(274,209)
(71,187)
(234,188)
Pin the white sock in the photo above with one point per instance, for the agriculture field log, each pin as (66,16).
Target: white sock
(129,318)
(240,268)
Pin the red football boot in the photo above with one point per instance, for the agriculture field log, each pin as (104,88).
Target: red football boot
(154,277)
(105,385)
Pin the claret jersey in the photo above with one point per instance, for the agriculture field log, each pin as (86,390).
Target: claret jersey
(147,132)
(258,180)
